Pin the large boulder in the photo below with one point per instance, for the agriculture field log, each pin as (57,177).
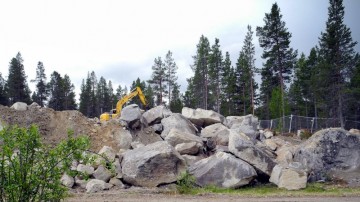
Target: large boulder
(331,152)
(108,153)
(247,130)
(191,148)
(290,178)
(131,115)
(177,121)
(146,136)
(67,180)
(222,170)
(95,185)
(202,117)
(20,106)
(241,146)
(151,165)
(123,138)
(154,115)
(102,173)
(237,121)
(177,136)
(218,133)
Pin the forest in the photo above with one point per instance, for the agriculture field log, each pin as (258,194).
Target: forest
(325,83)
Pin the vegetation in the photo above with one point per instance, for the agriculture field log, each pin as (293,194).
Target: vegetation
(31,171)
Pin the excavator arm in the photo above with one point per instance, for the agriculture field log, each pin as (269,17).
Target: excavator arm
(135,92)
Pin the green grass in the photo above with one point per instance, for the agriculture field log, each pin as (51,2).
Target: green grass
(270,190)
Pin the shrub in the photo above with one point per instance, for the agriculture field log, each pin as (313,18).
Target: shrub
(186,183)
(30,170)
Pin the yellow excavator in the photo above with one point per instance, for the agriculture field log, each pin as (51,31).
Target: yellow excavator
(116,112)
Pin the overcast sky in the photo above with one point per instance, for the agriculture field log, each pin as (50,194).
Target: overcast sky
(120,39)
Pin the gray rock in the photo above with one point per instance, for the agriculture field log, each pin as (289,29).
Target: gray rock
(236,121)
(177,136)
(354,131)
(330,152)
(131,115)
(288,177)
(222,170)
(247,130)
(108,153)
(102,173)
(146,136)
(154,115)
(191,148)
(34,105)
(116,182)
(190,159)
(177,121)
(67,180)
(123,138)
(151,165)
(20,106)
(285,155)
(202,117)
(268,133)
(95,185)
(158,128)
(241,146)
(86,169)
(80,182)
(137,144)
(118,170)
(218,133)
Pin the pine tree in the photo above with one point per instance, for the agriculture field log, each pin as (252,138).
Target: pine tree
(176,104)
(56,92)
(149,95)
(227,82)
(41,94)
(171,69)
(158,80)
(3,91)
(84,98)
(102,96)
(200,81)
(249,52)
(88,101)
(190,98)
(275,39)
(69,94)
(338,55)
(17,87)
(215,73)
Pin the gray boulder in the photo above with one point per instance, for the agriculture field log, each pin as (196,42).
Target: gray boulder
(131,116)
(190,159)
(191,148)
(151,165)
(154,115)
(218,133)
(86,169)
(177,136)
(102,173)
(146,136)
(108,153)
(289,178)
(331,152)
(222,170)
(247,130)
(236,121)
(95,185)
(67,180)
(20,106)
(116,182)
(241,146)
(123,138)
(202,117)
(177,121)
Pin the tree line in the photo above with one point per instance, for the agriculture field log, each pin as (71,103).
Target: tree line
(325,83)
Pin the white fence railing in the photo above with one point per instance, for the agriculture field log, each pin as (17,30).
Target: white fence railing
(293,123)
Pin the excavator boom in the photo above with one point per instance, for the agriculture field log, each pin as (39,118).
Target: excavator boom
(135,92)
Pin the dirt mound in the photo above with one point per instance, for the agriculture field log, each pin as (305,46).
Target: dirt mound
(54,125)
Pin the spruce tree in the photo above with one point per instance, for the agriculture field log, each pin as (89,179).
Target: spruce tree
(215,74)
(102,96)
(3,91)
(176,104)
(274,38)
(149,95)
(41,94)
(56,92)
(69,94)
(17,87)
(338,58)
(84,98)
(158,80)
(227,82)
(171,68)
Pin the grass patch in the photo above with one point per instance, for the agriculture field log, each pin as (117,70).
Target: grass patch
(270,190)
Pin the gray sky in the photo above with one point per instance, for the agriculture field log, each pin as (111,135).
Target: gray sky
(120,39)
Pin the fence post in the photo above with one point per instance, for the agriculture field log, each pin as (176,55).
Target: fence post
(312,124)
(291,116)
(271,124)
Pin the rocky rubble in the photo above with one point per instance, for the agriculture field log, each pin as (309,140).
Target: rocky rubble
(153,148)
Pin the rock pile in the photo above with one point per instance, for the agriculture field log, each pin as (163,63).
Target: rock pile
(156,146)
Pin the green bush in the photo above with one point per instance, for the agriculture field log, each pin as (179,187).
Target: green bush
(186,183)
(30,170)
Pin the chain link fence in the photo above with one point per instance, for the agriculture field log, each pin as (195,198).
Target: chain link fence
(293,123)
